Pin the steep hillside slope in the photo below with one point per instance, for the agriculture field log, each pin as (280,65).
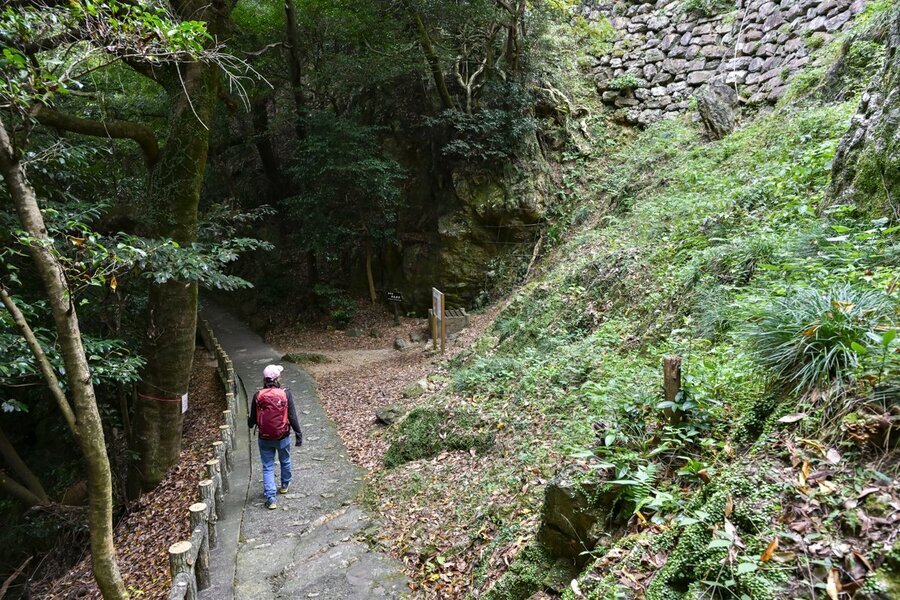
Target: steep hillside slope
(773,470)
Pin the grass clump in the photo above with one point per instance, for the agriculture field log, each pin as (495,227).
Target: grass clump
(816,338)
(426,432)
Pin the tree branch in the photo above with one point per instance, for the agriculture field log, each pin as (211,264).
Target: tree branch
(15,462)
(17,490)
(42,360)
(50,43)
(11,578)
(141,134)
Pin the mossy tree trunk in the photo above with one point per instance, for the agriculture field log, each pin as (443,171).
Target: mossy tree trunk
(78,375)
(175,185)
(370,279)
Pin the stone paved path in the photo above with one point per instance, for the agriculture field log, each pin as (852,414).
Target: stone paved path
(312,546)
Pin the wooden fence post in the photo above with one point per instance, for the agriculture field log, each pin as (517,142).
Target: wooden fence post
(226,440)
(199,514)
(208,497)
(214,470)
(228,415)
(180,562)
(672,385)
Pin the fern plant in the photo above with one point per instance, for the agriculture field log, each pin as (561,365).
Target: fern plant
(817,338)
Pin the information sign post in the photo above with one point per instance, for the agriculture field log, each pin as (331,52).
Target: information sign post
(438,323)
(395,298)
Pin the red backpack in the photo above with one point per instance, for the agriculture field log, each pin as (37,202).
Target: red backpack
(272,413)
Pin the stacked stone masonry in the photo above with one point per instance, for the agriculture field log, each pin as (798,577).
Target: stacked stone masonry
(663,53)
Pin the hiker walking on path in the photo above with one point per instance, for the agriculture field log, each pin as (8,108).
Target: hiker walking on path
(273,412)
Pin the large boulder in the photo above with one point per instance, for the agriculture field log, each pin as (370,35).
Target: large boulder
(415,389)
(389,414)
(716,102)
(574,516)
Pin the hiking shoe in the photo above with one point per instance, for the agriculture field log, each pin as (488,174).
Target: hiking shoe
(270,504)
(284,488)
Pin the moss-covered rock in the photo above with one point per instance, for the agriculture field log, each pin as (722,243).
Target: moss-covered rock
(533,570)
(574,517)
(426,432)
(867,163)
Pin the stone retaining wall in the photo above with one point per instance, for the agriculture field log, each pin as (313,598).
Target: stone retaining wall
(662,54)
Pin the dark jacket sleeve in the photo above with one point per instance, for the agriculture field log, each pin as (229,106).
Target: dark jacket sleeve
(251,420)
(292,413)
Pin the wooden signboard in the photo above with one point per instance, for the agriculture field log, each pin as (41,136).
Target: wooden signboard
(438,324)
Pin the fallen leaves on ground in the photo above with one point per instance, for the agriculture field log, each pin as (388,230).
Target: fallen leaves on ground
(159,518)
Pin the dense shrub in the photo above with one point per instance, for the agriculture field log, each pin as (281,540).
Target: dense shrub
(337,303)
(816,338)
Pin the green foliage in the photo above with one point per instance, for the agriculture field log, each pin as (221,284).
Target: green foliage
(699,561)
(493,135)
(336,302)
(596,37)
(623,82)
(426,432)
(348,188)
(707,8)
(817,338)
(140,30)
(863,60)
(526,575)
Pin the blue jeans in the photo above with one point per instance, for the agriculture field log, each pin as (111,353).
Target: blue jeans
(267,449)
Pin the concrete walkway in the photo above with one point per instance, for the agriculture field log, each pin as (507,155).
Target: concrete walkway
(313,546)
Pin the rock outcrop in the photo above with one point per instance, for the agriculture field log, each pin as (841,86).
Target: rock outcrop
(574,517)
(662,54)
(867,162)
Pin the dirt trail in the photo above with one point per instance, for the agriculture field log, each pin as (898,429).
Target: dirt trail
(341,361)
(314,545)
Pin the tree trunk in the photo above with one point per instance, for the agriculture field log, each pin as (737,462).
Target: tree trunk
(263,142)
(18,466)
(78,375)
(371,280)
(312,268)
(295,66)
(175,185)
(431,57)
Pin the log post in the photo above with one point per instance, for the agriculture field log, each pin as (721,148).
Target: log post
(223,465)
(214,472)
(672,385)
(208,497)
(229,420)
(199,515)
(180,562)
(226,439)
(179,587)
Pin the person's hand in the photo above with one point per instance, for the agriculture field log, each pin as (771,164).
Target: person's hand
(298,440)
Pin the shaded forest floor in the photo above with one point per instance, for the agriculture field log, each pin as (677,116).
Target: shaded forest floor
(159,518)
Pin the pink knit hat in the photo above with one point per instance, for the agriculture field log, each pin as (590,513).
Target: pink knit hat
(273,372)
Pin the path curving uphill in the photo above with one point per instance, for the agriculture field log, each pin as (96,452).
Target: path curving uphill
(313,546)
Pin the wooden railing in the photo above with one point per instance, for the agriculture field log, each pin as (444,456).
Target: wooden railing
(189,559)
